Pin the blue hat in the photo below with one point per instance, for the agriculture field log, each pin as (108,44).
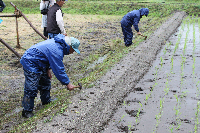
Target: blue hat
(1,21)
(75,44)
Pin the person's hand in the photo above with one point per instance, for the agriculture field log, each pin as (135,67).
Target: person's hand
(49,73)
(70,87)
(65,34)
(139,33)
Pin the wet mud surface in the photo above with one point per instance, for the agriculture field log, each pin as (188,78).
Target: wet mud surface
(168,95)
(117,101)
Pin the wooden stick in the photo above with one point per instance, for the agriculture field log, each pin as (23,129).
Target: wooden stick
(18,45)
(29,22)
(13,15)
(11,49)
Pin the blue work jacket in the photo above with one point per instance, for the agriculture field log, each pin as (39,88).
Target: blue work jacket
(133,18)
(48,54)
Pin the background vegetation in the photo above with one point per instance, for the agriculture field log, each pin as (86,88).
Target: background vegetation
(111,7)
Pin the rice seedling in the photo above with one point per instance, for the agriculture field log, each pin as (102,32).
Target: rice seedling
(184,94)
(158,116)
(172,128)
(185,44)
(178,42)
(193,66)
(197,117)
(172,62)
(194,45)
(129,126)
(166,86)
(122,118)
(161,61)
(197,83)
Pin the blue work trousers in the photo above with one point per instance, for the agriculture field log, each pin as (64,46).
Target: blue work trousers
(52,35)
(128,34)
(33,83)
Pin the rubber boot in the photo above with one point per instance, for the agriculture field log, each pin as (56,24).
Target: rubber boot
(28,104)
(128,42)
(45,97)
(51,100)
(27,114)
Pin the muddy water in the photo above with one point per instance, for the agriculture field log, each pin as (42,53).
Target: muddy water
(166,98)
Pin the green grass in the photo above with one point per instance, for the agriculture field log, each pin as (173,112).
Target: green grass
(109,7)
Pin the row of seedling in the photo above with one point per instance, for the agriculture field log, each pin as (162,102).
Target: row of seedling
(158,116)
(166,89)
(195,77)
(177,107)
(186,38)
(149,95)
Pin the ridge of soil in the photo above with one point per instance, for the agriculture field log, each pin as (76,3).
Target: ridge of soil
(92,108)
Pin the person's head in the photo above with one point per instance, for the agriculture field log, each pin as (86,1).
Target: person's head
(144,11)
(73,43)
(61,2)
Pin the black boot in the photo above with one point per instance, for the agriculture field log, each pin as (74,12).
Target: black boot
(27,114)
(51,100)
(127,45)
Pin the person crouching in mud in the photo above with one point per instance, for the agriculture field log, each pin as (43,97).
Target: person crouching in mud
(37,61)
(132,18)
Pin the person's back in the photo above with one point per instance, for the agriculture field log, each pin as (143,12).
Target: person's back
(45,54)
(52,26)
(55,23)
(130,17)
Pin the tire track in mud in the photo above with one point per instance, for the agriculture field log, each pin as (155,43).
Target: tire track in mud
(92,108)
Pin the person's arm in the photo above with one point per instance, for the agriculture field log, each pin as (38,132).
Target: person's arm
(58,69)
(43,4)
(69,86)
(135,24)
(57,66)
(60,23)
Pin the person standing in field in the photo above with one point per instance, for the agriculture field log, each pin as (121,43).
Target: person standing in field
(55,24)
(45,4)
(2,5)
(37,61)
(132,18)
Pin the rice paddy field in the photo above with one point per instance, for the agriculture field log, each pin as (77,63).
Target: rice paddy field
(152,86)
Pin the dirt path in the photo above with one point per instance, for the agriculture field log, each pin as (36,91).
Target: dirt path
(93,108)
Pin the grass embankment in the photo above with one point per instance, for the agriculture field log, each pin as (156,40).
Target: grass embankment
(114,49)
(110,7)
